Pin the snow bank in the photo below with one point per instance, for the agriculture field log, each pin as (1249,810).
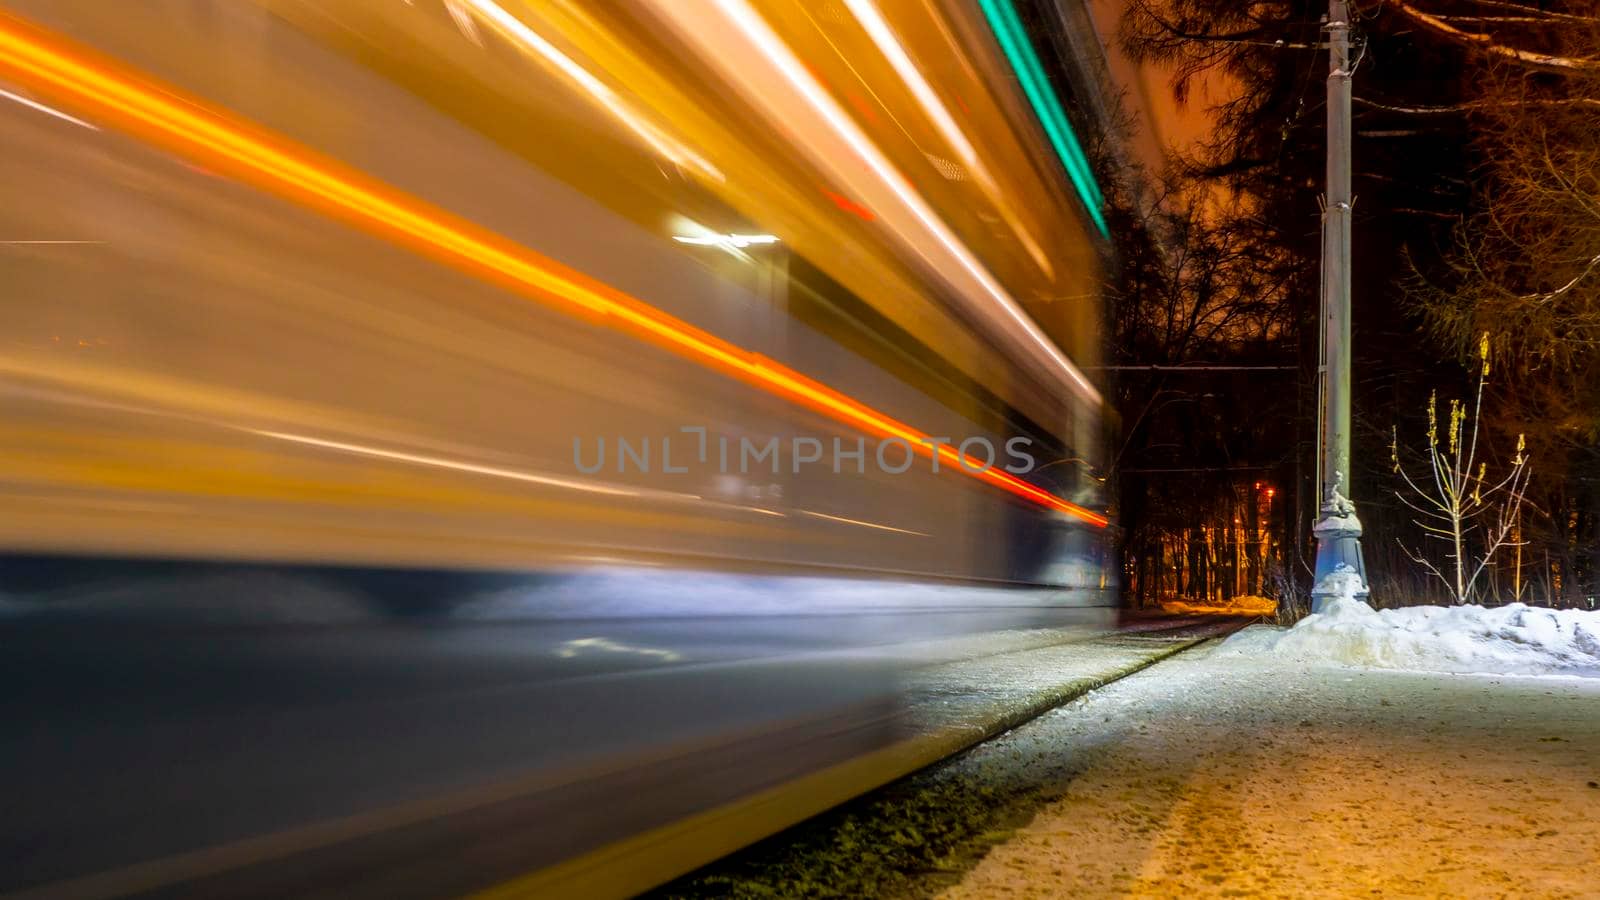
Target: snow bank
(1508,640)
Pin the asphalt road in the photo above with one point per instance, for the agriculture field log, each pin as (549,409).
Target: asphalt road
(186,744)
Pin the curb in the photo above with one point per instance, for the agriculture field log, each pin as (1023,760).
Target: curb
(636,864)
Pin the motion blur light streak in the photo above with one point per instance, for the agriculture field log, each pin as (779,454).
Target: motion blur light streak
(1013,37)
(883,36)
(392,506)
(571,649)
(848,521)
(49,111)
(463,20)
(474,468)
(764,51)
(732,240)
(165,116)
(850,206)
(514,30)
(866,12)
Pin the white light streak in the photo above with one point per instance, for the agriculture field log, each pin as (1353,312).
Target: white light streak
(464,21)
(571,649)
(438,462)
(842,519)
(513,29)
(726,240)
(866,13)
(47,110)
(882,35)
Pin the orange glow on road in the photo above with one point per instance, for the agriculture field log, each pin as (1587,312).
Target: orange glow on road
(163,116)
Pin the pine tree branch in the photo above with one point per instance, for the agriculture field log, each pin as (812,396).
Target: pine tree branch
(1487,44)
(1254,37)
(1522,20)
(1551,295)
(1534,11)
(1472,105)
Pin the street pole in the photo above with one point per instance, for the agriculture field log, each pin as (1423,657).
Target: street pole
(1337,530)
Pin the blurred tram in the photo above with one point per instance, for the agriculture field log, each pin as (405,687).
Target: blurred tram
(365,353)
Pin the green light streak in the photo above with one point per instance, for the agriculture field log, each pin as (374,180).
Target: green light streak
(1013,38)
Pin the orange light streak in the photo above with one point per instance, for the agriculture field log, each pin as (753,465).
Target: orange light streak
(160,114)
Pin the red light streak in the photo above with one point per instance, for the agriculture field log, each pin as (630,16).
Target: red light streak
(850,206)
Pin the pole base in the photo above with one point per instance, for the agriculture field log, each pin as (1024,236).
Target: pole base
(1338,550)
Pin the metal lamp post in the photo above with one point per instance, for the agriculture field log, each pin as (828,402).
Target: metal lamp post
(1338,531)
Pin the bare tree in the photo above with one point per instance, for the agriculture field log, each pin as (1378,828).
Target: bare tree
(1194,293)
(1477,131)
(1462,499)
(1525,263)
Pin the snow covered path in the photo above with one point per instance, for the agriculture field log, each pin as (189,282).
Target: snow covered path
(1217,774)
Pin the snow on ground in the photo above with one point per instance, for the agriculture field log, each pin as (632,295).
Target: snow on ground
(1509,640)
(1214,775)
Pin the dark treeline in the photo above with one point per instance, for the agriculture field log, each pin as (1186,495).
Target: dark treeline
(1477,181)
